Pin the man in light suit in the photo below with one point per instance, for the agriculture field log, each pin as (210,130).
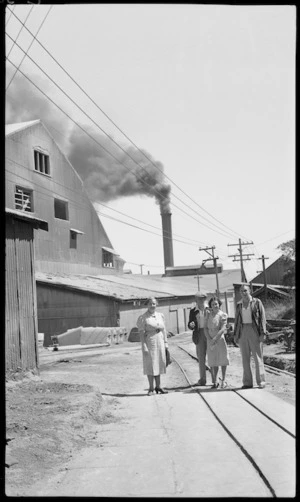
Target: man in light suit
(249,333)
(196,323)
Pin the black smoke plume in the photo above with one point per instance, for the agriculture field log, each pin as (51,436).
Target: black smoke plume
(106,177)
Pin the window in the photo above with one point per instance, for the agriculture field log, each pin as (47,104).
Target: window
(73,237)
(107,258)
(61,209)
(23,199)
(73,240)
(41,162)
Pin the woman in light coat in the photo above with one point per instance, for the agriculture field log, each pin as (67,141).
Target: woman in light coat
(153,335)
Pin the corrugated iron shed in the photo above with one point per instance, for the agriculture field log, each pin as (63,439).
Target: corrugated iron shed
(131,287)
(20,298)
(179,285)
(99,286)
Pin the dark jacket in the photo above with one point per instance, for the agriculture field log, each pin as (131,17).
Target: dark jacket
(193,317)
(258,318)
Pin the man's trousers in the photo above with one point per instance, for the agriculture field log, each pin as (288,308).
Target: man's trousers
(250,344)
(201,354)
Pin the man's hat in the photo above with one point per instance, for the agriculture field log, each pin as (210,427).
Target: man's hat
(200,295)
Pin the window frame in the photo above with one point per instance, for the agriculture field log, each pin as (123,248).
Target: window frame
(73,239)
(107,259)
(30,193)
(65,202)
(41,160)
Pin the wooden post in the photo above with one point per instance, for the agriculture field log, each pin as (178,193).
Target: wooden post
(226,301)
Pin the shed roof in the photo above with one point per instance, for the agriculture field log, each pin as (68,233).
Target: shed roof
(99,285)
(132,287)
(29,218)
(278,291)
(13,128)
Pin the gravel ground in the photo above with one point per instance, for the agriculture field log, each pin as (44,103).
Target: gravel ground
(51,416)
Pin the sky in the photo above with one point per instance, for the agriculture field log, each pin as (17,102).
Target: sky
(206,92)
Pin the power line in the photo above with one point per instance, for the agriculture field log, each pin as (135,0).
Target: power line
(82,207)
(26,53)
(102,130)
(276,236)
(144,265)
(144,230)
(126,136)
(11,12)
(140,221)
(23,26)
(105,149)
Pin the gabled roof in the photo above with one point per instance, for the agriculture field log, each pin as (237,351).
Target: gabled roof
(13,128)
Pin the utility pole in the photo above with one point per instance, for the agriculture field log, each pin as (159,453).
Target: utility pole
(210,251)
(142,268)
(241,256)
(263,258)
(198,281)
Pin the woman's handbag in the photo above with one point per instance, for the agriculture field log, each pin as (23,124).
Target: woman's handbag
(168,357)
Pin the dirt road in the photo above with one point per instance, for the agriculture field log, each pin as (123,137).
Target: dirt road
(78,393)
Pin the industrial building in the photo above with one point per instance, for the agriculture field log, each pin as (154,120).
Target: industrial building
(78,275)
(68,301)
(41,181)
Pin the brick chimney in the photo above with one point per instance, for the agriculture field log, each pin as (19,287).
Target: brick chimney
(167,239)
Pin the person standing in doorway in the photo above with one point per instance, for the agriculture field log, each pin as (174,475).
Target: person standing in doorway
(249,333)
(196,323)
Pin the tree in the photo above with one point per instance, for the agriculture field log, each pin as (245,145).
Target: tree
(288,249)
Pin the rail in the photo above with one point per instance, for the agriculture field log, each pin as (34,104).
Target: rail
(249,403)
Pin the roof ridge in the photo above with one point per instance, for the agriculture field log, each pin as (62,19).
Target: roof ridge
(19,126)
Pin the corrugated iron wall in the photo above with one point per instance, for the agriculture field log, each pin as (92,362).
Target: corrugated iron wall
(20,333)
(61,308)
(176,313)
(274,273)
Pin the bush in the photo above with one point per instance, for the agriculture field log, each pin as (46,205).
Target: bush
(280,309)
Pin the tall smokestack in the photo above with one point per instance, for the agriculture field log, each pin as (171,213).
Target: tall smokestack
(167,238)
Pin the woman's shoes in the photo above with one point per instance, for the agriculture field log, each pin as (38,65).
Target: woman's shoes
(150,392)
(215,386)
(223,384)
(158,390)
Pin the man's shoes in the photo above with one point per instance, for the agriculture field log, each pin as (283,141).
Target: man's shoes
(201,382)
(261,385)
(247,387)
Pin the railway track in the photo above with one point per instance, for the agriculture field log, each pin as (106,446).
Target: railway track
(268,367)
(275,421)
